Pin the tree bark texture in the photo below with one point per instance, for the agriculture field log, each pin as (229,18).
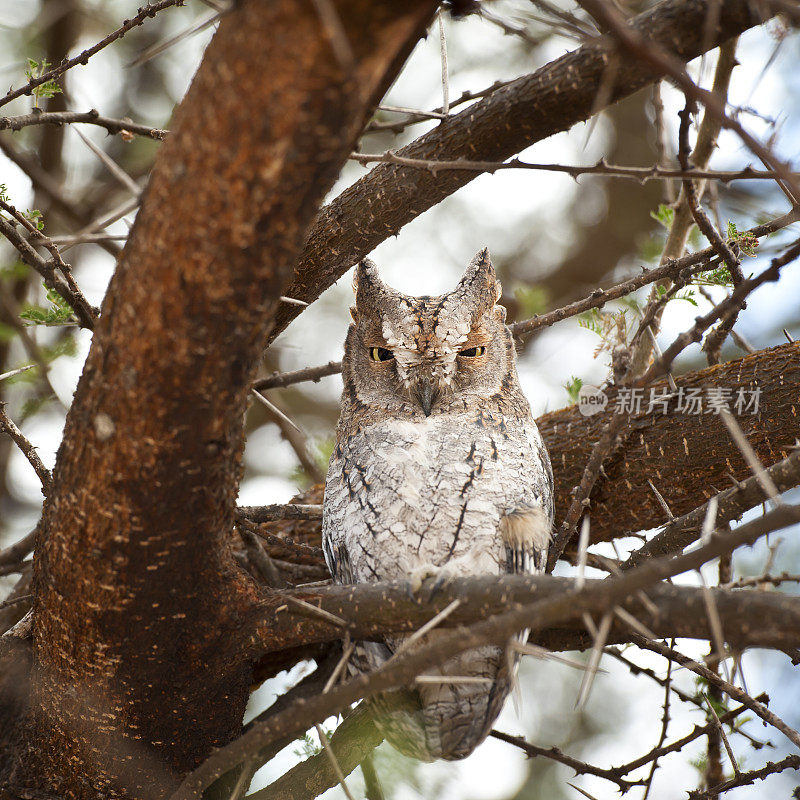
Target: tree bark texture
(688,457)
(140,659)
(529,109)
(749,618)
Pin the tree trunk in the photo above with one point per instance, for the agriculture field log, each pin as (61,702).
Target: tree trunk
(141,661)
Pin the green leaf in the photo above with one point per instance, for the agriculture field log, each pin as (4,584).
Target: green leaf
(720,276)
(66,346)
(48,88)
(592,321)
(60,313)
(746,242)
(31,406)
(34,216)
(573,387)
(688,296)
(665,215)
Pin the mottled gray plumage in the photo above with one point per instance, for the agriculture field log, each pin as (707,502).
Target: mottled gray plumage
(438,468)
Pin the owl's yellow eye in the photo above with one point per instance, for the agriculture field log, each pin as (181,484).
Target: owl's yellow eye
(380,354)
(473,352)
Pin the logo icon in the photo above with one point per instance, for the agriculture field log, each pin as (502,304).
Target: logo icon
(591,400)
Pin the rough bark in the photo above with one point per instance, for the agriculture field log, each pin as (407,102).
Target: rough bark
(749,618)
(688,457)
(529,109)
(141,664)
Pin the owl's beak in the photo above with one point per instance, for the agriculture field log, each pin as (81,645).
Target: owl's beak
(426,395)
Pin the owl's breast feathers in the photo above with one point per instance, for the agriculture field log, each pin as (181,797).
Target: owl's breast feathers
(462,491)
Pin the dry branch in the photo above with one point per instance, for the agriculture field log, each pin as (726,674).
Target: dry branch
(526,110)
(688,457)
(768,619)
(91,117)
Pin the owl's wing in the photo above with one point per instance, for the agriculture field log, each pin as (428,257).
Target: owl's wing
(526,535)
(526,526)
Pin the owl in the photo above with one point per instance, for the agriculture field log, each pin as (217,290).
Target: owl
(438,469)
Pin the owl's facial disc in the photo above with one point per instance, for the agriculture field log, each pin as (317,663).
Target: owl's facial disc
(432,352)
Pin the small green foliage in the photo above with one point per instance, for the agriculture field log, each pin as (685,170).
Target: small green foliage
(45,90)
(700,763)
(665,215)
(632,303)
(59,313)
(591,321)
(573,387)
(720,276)
(34,216)
(309,746)
(650,247)
(687,295)
(746,241)
(720,706)
(32,406)
(532,300)
(65,346)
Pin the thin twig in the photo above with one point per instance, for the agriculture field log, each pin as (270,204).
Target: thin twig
(28,450)
(445,77)
(125,127)
(640,174)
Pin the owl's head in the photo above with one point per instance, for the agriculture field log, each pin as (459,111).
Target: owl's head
(428,352)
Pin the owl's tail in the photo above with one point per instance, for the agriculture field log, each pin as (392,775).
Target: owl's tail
(450,711)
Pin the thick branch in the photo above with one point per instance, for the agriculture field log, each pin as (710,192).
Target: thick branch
(688,457)
(754,619)
(497,630)
(531,108)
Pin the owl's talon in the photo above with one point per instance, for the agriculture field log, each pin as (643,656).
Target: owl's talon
(442,580)
(418,577)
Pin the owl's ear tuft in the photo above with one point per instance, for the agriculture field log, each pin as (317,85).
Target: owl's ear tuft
(480,286)
(367,286)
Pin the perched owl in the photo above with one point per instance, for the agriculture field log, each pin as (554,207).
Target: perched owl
(438,469)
